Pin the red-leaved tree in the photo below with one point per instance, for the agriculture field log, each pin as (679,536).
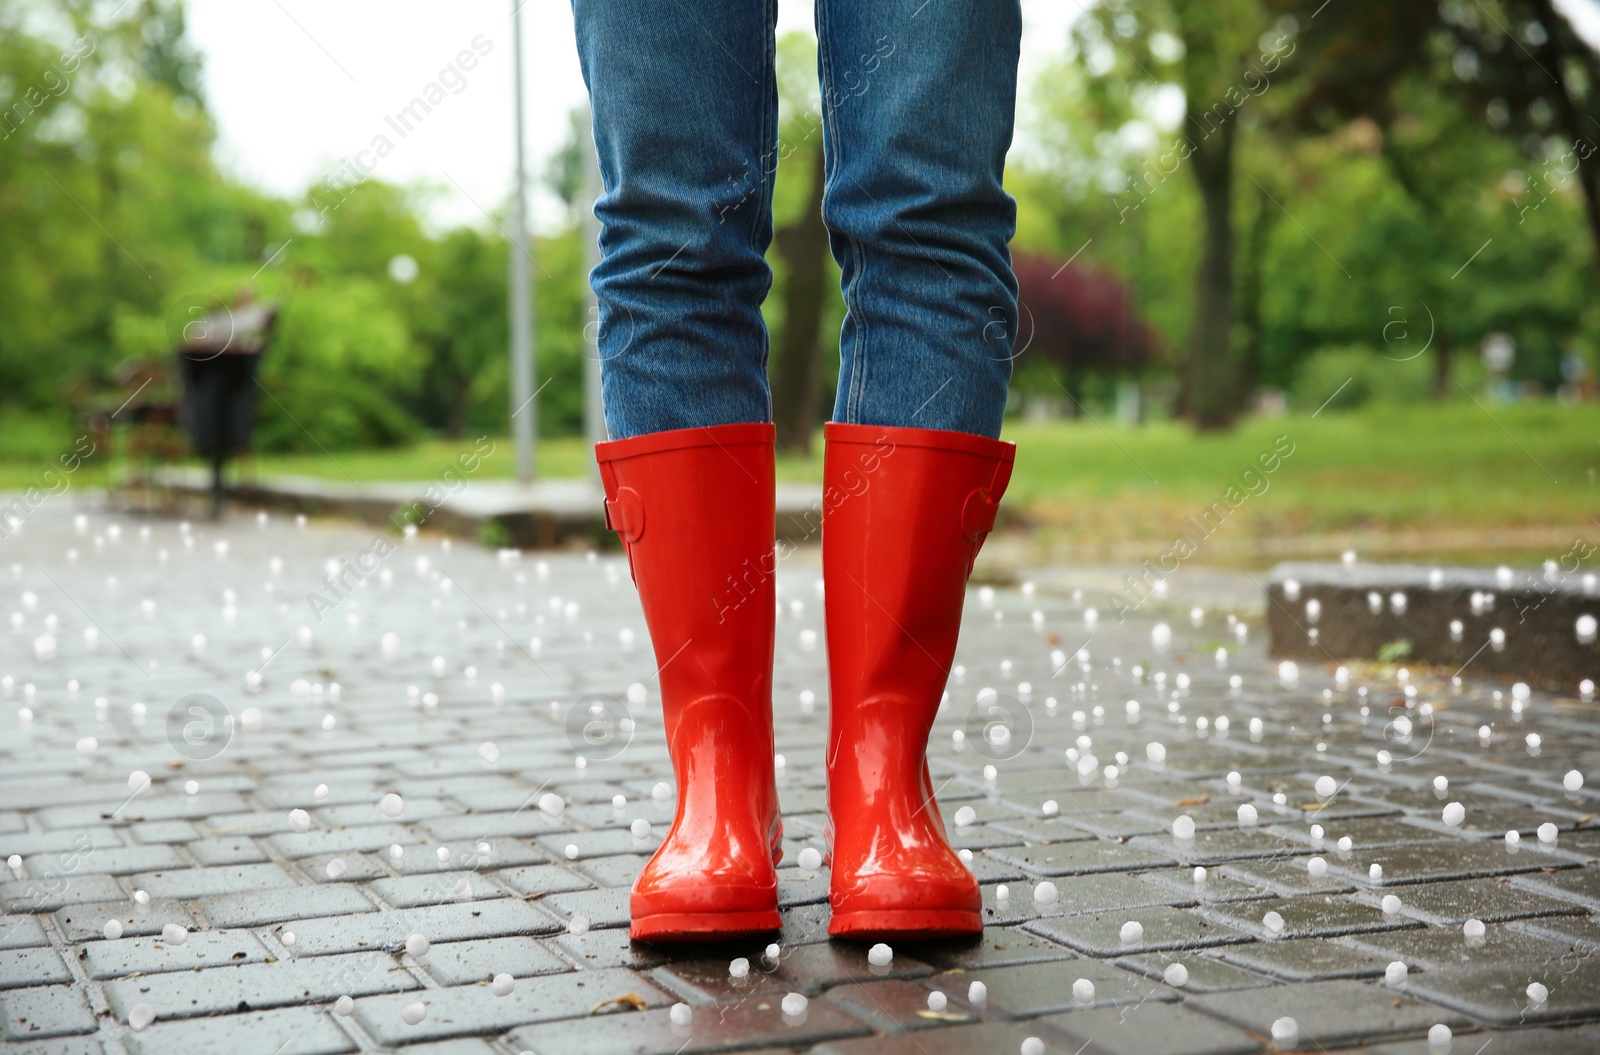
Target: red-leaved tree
(1080,318)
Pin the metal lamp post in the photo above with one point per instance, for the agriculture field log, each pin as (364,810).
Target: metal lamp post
(524,414)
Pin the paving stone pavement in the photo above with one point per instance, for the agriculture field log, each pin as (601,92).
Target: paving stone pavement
(201,854)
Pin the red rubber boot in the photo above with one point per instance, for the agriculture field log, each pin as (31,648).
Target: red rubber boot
(905,511)
(694,508)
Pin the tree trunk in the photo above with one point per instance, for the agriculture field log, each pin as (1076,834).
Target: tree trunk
(1251,284)
(456,415)
(797,370)
(1441,365)
(1210,369)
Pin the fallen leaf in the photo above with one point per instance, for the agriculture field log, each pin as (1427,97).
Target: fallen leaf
(627,1001)
(1198,801)
(944,1016)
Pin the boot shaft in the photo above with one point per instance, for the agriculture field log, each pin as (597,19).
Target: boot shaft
(905,512)
(694,509)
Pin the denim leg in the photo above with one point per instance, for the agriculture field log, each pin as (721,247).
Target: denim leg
(684,98)
(919,98)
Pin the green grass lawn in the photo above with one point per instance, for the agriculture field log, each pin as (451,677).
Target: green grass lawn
(1456,467)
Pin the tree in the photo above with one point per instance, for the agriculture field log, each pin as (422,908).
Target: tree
(463,290)
(1080,318)
(797,371)
(1219,38)
(801,247)
(1222,54)
(1526,69)
(1517,66)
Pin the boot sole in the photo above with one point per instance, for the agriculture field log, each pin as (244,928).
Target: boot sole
(904,924)
(670,927)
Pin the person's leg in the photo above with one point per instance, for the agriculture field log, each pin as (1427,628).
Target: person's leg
(684,102)
(918,105)
(684,99)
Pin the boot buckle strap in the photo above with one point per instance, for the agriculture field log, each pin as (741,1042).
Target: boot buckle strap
(978,515)
(625,514)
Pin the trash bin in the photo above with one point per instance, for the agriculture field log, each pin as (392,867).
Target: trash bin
(218,363)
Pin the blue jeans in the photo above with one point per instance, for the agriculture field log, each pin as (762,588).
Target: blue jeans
(918,99)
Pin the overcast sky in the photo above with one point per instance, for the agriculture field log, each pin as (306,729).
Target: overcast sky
(298,85)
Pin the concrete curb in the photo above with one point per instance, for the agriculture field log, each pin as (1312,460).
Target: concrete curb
(541,515)
(1522,625)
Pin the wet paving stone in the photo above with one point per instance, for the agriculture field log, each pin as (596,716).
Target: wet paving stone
(267,907)
(287,1031)
(1437,947)
(1330,1014)
(1490,900)
(153,955)
(1366,833)
(958,1039)
(21,932)
(258,986)
(87,922)
(457,921)
(43,1011)
(1207,971)
(1149,1028)
(1313,916)
(1103,892)
(539,880)
(1410,864)
(1026,991)
(706,979)
(893,1006)
(599,949)
(1217,847)
(1287,876)
(602,908)
(465,1010)
(1580,886)
(20,968)
(33,895)
(1532,1041)
(472,761)
(1217,886)
(1045,831)
(1160,928)
(996,947)
(421,890)
(814,967)
(1578,932)
(466,962)
(1306,959)
(652,1032)
(1493,821)
(1067,859)
(1497,993)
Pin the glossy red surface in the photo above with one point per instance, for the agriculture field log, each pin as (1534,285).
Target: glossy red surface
(694,508)
(905,511)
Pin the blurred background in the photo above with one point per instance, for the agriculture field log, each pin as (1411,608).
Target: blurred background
(1364,232)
